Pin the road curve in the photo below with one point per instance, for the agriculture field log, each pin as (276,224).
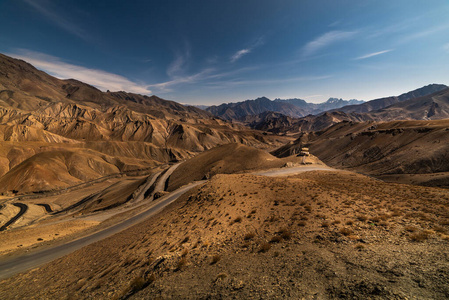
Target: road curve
(11,266)
(22,263)
(23,209)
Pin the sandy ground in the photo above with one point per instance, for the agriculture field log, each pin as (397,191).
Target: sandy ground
(37,227)
(30,236)
(317,235)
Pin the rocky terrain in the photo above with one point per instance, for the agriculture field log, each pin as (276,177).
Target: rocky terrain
(319,235)
(401,151)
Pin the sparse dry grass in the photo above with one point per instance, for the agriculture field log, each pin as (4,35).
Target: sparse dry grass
(345,231)
(420,236)
(284,228)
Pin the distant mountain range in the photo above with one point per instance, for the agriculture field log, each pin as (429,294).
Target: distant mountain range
(430,102)
(295,107)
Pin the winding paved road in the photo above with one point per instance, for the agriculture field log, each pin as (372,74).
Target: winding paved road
(23,209)
(13,265)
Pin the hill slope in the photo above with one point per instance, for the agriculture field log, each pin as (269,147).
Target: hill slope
(316,235)
(404,151)
(40,113)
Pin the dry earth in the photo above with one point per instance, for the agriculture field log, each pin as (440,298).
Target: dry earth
(400,151)
(317,235)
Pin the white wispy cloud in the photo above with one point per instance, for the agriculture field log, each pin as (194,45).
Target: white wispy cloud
(44,8)
(326,40)
(166,86)
(424,33)
(178,65)
(269,81)
(373,54)
(239,54)
(98,78)
(207,75)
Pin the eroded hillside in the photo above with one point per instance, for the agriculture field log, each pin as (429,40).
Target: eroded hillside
(55,133)
(402,151)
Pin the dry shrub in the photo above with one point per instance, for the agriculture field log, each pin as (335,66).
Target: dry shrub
(302,223)
(272,218)
(181,264)
(420,236)
(264,247)
(185,240)
(349,222)
(346,231)
(440,229)
(285,233)
(275,239)
(410,228)
(325,224)
(249,236)
(138,283)
(184,253)
(221,276)
(359,246)
(216,258)
(375,219)
(362,218)
(445,222)
(396,213)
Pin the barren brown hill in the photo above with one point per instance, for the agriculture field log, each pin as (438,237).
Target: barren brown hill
(319,235)
(403,151)
(40,113)
(226,159)
(230,159)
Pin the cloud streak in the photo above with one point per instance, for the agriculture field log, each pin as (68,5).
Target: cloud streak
(98,78)
(239,54)
(271,81)
(44,9)
(424,33)
(178,65)
(373,54)
(326,40)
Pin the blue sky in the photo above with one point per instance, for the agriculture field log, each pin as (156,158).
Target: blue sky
(210,52)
